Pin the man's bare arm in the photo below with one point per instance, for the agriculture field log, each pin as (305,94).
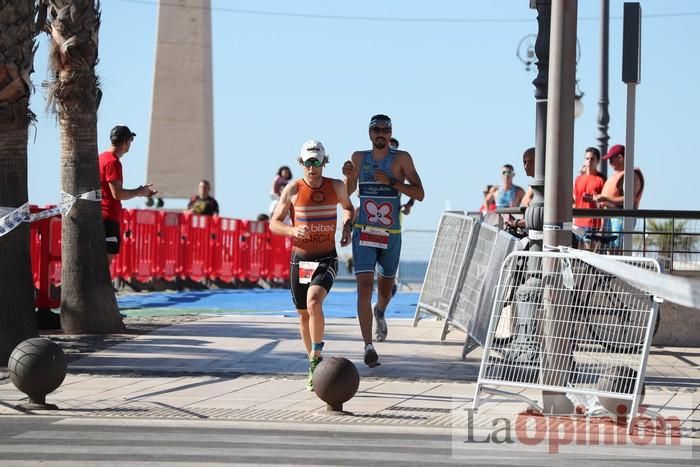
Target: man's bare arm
(348,211)
(277,224)
(123,194)
(351,170)
(519,195)
(414,188)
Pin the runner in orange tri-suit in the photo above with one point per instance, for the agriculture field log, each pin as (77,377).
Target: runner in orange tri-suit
(312,201)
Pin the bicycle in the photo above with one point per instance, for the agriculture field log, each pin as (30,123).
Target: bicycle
(616,323)
(598,306)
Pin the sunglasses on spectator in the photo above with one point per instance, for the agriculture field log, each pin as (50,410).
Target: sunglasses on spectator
(381,129)
(508,172)
(312,163)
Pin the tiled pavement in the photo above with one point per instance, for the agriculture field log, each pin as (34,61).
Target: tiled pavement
(253,368)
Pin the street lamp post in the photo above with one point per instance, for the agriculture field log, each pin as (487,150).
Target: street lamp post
(534,214)
(603,114)
(529,294)
(557,357)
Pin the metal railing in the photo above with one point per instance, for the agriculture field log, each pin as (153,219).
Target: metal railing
(669,236)
(416,245)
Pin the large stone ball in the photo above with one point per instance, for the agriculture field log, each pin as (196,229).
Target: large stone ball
(336,380)
(37,366)
(619,379)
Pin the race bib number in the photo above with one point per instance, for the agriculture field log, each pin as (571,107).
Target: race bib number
(375,238)
(306,271)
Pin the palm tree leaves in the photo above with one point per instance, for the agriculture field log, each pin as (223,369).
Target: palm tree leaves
(672,240)
(670,235)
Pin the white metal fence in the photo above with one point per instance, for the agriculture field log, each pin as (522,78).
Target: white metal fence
(474,298)
(563,325)
(450,250)
(462,275)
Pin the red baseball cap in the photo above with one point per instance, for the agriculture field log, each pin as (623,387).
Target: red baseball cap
(614,151)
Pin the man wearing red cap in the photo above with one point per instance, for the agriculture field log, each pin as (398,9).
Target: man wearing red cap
(613,196)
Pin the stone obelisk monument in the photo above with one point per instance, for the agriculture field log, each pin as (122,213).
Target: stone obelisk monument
(181,148)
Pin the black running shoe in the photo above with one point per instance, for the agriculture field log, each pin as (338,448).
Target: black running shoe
(371,357)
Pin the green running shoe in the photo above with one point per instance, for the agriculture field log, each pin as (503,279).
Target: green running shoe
(313,363)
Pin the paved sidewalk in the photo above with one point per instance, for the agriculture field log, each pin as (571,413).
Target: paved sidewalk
(253,368)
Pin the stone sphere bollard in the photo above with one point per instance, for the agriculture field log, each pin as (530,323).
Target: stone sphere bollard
(618,379)
(336,380)
(37,367)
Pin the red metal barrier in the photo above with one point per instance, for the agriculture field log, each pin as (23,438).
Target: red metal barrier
(143,244)
(169,266)
(170,245)
(197,246)
(35,249)
(252,250)
(279,256)
(226,250)
(121,267)
(55,226)
(45,250)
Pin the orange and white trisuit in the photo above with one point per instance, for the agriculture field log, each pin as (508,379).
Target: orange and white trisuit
(314,259)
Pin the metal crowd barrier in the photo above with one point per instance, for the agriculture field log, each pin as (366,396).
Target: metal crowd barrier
(450,251)
(172,247)
(170,265)
(143,244)
(462,275)
(568,327)
(45,251)
(227,235)
(475,294)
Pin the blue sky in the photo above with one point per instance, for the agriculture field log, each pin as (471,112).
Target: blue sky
(461,101)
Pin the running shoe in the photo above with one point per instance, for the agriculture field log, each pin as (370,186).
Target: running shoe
(371,357)
(313,363)
(380,327)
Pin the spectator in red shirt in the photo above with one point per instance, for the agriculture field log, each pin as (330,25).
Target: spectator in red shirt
(113,193)
(586,187)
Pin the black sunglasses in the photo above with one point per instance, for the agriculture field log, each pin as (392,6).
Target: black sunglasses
(381,129)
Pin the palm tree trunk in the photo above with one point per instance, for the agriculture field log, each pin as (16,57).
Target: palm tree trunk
(18,27)
(88,304)
(17,316)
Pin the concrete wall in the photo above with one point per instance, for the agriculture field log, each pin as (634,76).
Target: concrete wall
(679,326)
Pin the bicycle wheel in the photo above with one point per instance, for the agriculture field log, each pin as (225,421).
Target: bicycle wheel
(618,315)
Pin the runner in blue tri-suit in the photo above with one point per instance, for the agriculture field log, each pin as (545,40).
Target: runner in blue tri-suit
(384,174)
